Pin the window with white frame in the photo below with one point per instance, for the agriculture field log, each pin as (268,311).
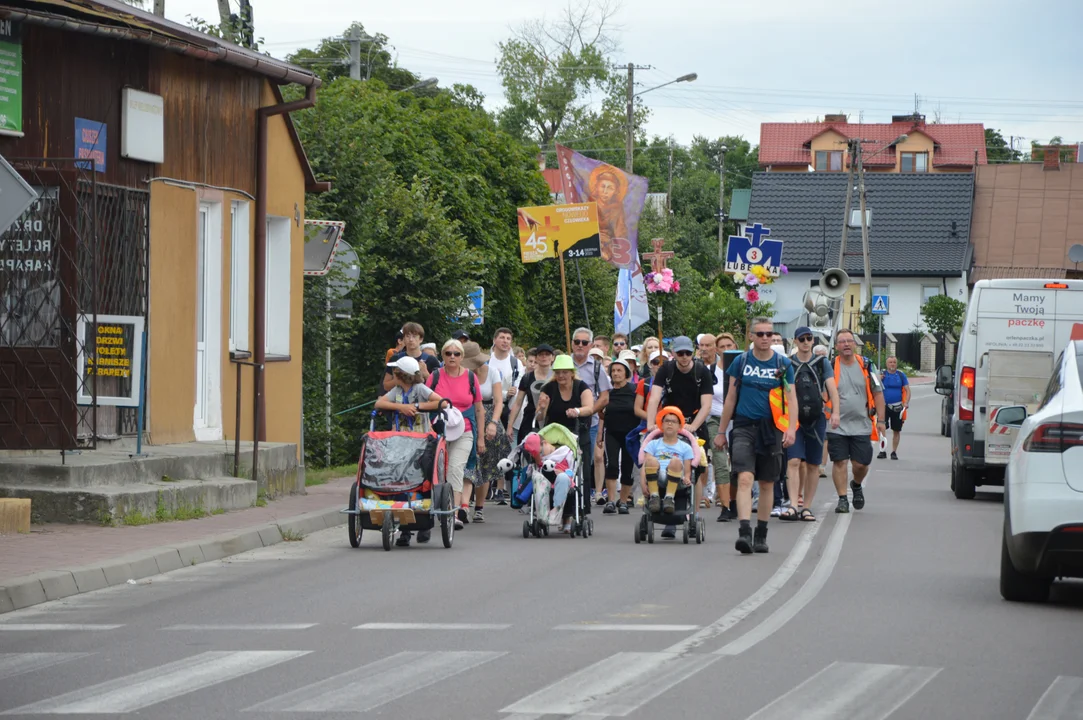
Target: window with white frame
(278,286)
(929,291)
(240,272)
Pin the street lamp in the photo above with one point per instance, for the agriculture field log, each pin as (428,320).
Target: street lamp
(629,138)
(426,83)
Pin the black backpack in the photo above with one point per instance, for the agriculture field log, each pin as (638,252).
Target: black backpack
(810,399)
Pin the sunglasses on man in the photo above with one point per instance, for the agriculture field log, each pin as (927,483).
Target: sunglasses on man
(581,342)
(761,334)
(805,338)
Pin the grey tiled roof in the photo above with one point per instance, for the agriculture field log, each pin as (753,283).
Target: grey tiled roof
(910,233)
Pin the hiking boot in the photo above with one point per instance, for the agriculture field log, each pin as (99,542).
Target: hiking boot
(859,495)
(882,455)
(744,540)
(759,540)
(423,536)
(610,509)
(668,505)
(622,508)
(724,516)
(669,532)
(404,539)
(655,503)
(844,505)
(894,456)
(479,515)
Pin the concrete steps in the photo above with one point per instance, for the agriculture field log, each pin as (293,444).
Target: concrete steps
(136,503)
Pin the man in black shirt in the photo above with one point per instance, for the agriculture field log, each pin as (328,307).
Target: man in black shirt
(412,335)
(689,385)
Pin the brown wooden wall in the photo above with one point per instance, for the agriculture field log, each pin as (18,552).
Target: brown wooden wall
(68,75)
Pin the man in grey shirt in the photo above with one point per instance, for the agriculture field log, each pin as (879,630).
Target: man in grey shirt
(597,379)
(860,395)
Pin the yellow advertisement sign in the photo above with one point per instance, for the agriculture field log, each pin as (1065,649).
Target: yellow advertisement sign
(573,227)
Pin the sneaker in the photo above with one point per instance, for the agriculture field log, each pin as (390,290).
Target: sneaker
(776,511)
(823,471)
(499,497)
(759,541)
(479,515)
(567,527)
(668,505)
(655,504)
(724,516)
(622,508)
(404,539)
(744,541)
(462,518)
(894,456)
(669,532)
(600,499)
(859,495)
(610,509)
(423,536)
(458,524)
(882,455)
(843,506)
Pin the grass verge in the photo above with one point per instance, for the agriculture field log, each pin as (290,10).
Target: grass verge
(323,475)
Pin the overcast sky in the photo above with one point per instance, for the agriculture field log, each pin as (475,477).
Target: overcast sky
(1010,65)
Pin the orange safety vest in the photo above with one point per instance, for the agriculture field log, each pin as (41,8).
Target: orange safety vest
(871,402)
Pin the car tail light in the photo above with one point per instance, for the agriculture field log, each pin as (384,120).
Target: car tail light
(966,394)
(1054,437)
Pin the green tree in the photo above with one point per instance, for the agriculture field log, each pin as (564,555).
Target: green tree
(943,315)
(997,148)
(331,59)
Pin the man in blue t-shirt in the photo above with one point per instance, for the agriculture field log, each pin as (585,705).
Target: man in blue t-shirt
(756,452)
(896,402)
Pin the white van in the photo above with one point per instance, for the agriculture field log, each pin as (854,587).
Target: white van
(1012,332)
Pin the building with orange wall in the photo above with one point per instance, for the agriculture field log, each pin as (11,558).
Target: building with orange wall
(171,188)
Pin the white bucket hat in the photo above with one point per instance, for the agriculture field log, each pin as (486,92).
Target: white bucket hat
(454,424)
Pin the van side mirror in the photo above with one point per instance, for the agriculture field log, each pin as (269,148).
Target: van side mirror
(945,380)
(1010,416)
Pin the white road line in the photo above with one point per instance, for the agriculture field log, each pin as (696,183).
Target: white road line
(800,599)
(253,626)
(54,627)
(630,627)
(430,626)
(850,691)
(1063,700)
(12,664)
(377,683)
(758,598)
(149,687)
(615,686)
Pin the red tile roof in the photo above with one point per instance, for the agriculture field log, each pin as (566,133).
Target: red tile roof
(788,143)
(552,176)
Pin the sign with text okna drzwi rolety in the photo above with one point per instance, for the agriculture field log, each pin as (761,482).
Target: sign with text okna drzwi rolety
(110,359)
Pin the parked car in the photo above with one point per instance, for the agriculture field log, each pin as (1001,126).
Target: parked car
(1012,329)
(1043,488)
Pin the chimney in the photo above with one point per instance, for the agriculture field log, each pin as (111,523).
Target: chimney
(834,117)
(1052,158)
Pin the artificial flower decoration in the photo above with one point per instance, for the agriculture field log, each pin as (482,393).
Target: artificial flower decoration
(662,281)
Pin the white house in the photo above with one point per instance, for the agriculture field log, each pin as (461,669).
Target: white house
(919,240)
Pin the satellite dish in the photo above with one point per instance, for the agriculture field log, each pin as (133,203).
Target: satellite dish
(349,269)
(1075,253)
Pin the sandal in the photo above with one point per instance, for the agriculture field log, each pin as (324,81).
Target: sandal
(789,514)
(806,515)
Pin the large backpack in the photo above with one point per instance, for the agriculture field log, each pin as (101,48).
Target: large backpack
(809,388)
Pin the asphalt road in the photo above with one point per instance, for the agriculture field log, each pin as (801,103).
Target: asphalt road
(889,612)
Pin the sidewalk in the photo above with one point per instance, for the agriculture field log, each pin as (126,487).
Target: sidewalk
(53,547)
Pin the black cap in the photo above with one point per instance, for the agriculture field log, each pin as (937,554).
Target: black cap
(460,335)
(545,347)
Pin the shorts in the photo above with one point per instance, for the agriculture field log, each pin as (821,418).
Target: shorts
(808,444)
(764,468)
(894,417)
(720,459)
(856,448)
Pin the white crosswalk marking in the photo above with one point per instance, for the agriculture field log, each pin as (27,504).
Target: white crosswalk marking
(377,683)
(149,687)
(615,686)
(1062,701)
(850,691)
(54,627)
(12,664)
(430,626)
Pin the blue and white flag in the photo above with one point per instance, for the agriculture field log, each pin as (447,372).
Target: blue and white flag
(631,309)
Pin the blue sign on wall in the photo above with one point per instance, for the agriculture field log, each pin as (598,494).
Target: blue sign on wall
(90,143)
(742,253)
(475,310)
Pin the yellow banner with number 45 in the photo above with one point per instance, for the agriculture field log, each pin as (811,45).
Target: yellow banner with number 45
(574,228)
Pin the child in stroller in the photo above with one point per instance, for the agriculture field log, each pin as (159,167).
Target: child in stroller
(668,456)
(552,463)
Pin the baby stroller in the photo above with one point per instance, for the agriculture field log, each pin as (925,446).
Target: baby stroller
(684,512)
(400,485)
(531,484)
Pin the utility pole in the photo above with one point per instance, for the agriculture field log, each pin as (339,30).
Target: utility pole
(159,8)
(864,224)
(355,53)
(849,204)
(629,130)
(669,190)
(721,205)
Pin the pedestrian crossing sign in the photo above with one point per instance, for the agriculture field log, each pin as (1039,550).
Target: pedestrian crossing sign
(879,304)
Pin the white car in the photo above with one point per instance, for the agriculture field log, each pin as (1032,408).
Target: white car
(1043,488)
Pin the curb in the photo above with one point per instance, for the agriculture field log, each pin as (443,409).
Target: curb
(18,593)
